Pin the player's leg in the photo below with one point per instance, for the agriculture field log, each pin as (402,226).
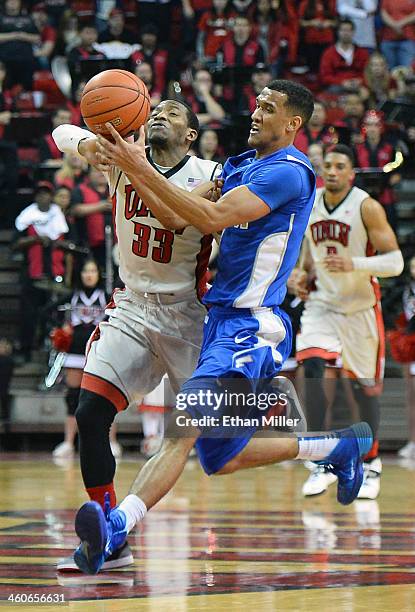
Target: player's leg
(363,359)
(317,344)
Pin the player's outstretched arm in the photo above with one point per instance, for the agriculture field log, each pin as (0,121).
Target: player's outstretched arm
(388,262)
(237,206)
(79,141)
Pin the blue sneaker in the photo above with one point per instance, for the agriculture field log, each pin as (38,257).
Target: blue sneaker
(101,534)
(346,460)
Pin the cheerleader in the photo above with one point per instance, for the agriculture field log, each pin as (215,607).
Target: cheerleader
(87,310)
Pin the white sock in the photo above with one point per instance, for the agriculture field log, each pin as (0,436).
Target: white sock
(315,448)
(151,423)
(134,509)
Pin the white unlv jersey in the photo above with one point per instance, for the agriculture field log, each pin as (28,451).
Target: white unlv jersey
(341,231)
(154,259)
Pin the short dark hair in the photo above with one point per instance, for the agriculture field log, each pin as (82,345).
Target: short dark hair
(192,120)
(343,150)
(299,98)
(345,21)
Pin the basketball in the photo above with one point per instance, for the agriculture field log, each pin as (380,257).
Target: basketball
(115,96)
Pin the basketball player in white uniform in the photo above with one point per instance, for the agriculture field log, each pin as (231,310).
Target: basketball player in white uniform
(342,316)
(155,323)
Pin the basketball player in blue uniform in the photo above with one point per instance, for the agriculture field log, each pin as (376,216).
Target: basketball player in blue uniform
(266,201)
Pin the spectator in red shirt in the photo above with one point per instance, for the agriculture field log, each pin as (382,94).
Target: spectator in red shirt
(156,56)
(398,37)
(145,72)
(354,109)
(49,152)
(342,65)
(72,171)
(91,202)
(215,27)
(242,49)
(48,35)
(317,21)
(317,130)
(208,108)
(40,226)
(375,152)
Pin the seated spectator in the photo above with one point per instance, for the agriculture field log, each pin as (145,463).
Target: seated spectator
(86,49)
(316,130)
(375,152)
(72,172)
(342,65)
(202,101)
(49,152)
(379,85)
(40,226)
(317,22)
(68,33)
(354,109)
(398,36)
(272,31)
(245,8)
(214,28)
(154,54)
(362,13)
(90,203)
(116,30)
(208,146)
(315,154)
(145,72)
(159,12)
(18,34)
(260,78)
(43,51)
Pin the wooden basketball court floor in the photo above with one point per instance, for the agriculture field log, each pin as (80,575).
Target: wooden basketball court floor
(243,541)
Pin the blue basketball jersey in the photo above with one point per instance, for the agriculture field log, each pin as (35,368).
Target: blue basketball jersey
(256,258)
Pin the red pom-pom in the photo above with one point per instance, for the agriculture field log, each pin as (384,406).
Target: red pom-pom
(61,338)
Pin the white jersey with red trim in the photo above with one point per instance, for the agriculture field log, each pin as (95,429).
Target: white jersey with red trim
(154,259)
(341,231)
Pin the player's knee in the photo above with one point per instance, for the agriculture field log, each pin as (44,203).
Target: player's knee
(94,411)
(176,447)
(314,367)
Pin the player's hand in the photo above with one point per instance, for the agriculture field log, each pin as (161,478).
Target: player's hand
(298,284)
(338,263)
(125,155)
(88,149)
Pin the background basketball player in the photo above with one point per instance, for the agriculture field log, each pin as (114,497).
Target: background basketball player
(342,316)
(155,323)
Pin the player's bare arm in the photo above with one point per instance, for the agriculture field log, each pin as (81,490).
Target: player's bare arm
(237,206)
(388,262)
(299,279)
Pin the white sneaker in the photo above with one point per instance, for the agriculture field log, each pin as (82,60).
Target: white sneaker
(116,449)
(371,480)
(64,450)
(318,482)
(407,451)
(150,446)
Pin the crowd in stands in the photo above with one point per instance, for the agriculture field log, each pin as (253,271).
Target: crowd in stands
(357,56)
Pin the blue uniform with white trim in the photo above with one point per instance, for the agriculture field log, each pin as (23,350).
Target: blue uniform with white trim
(246,334)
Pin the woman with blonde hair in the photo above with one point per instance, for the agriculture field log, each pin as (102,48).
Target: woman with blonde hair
(72,172)
(379,84)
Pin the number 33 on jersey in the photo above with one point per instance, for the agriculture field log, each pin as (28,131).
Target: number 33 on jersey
(154,259)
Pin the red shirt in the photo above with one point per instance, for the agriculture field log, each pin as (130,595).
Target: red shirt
(313,35)
(217,29)
(398,9)
(158,61)
(334,70)
(95,223)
